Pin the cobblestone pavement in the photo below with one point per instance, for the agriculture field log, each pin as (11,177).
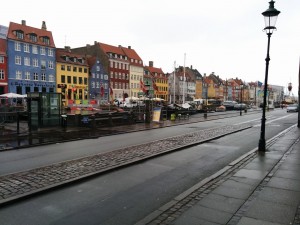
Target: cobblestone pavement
(18,185)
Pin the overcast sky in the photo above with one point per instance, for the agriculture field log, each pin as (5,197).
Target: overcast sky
(221,36)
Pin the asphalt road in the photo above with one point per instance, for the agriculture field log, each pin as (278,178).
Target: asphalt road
(127,195)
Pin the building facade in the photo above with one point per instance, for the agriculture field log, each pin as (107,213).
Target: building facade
(31,59)
(72,76)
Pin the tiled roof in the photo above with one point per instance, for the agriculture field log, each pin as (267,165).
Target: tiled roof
(131,54)
(154,70)
(111,49)
(60,53)
(3,46)
(30,30)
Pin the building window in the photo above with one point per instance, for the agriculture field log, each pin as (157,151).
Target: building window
(26,47)
(18,75)
(33,37)
(68,68)
(35,76)
(74,80)
(42,51)
(74,68)
(80,81)
(18,60)
(51,78)
(69,79)
(43,77)
(27,75)
(85,70)
(63,78)
(46,40)
(20,34)
(35,62)
(34,49)
(85,81)
(26,61)
(50,65)
(62,67)
(50,52)
(80,70)
(2,75)
(1,59)
(17,46)
(43,64)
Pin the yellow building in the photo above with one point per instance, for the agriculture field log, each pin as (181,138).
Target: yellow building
(160,82)
(72,73)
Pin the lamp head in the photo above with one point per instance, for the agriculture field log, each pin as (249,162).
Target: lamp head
(270,16)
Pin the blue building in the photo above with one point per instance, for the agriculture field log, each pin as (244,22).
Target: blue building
(31,59)
(98,81)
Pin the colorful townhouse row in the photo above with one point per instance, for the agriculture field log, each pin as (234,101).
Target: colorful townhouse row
(30,62)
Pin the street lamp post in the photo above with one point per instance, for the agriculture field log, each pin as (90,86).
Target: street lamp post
(241,103)
(270,16)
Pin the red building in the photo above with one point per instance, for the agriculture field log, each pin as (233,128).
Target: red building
(118,69)
(3,67)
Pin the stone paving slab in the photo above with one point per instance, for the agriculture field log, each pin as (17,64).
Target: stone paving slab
(254,208)
(18,185)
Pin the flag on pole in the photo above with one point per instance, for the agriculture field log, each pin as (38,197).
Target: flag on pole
(142,86)
(154,85)
(111,91)
(102,91)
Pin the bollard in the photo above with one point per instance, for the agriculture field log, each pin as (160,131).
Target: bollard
(205,115)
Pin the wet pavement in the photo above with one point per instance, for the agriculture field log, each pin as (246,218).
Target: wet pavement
(18,185)
(258,188)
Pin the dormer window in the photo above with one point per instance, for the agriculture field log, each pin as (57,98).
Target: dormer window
(19,34)
(33,37)
(46,40)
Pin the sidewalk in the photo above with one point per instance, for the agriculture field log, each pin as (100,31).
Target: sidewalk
(257,189)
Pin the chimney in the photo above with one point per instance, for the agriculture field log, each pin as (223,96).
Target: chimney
(23,22)
(120,46)
(44,26)
(129,47)
(68,48)
(191,67)
(150,63)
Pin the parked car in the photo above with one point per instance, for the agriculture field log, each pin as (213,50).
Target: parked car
(229,104)
(292,108)
(221,108)
(240,106)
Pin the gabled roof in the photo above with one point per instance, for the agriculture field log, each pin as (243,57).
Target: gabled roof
(29,30)
(3,46)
